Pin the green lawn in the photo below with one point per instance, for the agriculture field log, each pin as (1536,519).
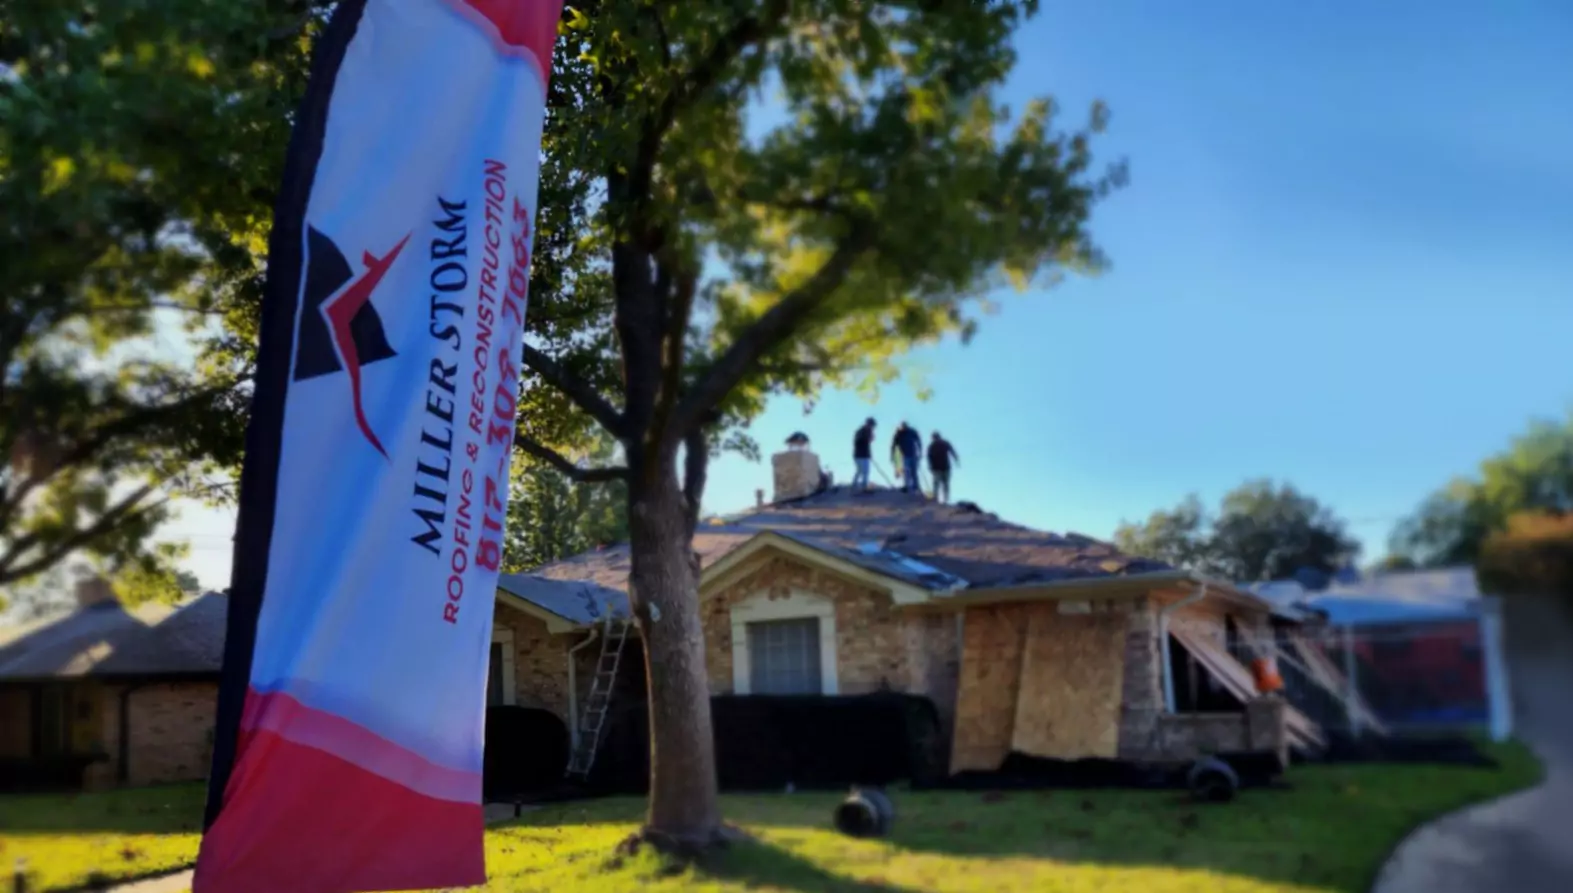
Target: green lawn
(69,840)
(1329,833)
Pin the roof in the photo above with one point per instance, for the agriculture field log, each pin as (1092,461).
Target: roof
(943,549)
(1387,598)
(579,601)
(109,640)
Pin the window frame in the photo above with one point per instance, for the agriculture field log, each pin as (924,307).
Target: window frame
(795,605)
(502,635)
(796,640)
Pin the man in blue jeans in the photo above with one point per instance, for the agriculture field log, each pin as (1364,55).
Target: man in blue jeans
(941,454)
(905,448)
(862,455)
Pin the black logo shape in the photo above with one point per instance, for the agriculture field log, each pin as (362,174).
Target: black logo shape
(339,329)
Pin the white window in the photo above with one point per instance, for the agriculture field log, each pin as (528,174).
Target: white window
(783,657)
(784,645)
(500,679)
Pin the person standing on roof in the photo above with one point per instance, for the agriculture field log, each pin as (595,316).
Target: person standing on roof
(941,454)
(905,448)
(862,455)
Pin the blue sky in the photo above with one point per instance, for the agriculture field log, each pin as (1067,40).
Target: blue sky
(1345,260)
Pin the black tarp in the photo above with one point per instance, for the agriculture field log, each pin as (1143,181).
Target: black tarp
(765,743)
(1021,771)
(1438,750)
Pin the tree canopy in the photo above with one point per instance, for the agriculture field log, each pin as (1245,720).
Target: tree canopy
(737,199)
(1532,555)
(1262,531)
(138,158)
(551,517)
(773,197)
(1532,476)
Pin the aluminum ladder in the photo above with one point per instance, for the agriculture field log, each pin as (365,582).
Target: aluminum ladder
(592,719)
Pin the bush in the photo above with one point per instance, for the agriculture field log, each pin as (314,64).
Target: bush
(1533,557)
(526,752)
(764,743)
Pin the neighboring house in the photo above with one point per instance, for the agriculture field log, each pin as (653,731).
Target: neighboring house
(107,696)
(1029,641)
(1421,638)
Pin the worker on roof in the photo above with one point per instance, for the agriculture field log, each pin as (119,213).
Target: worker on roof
(905,448)
(941,454)
(862,454)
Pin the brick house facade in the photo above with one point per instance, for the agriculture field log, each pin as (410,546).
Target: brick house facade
(108,696)
(1016,635)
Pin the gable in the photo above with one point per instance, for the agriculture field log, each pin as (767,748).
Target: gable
(767,556)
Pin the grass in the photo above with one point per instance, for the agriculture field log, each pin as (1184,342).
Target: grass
(72,840)
(1328,834)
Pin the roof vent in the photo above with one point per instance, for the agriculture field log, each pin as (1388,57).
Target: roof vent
(968,508)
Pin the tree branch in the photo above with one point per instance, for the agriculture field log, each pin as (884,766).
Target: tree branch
(565,465)
(123,510)
(696,464)
(771,330)
(576,389)
(704,75)
(674,341)
(85,449)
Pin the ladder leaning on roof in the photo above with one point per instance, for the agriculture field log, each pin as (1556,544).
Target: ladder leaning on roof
(592,720)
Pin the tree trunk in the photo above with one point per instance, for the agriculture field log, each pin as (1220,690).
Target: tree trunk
(684,812)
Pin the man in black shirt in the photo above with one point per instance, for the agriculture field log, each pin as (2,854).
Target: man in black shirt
(862,454)
(941,454)
(905,448)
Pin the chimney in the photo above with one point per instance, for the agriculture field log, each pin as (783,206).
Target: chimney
(94,591)
(759,498)
(796,469)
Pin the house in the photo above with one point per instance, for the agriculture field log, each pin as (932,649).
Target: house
(108,696)
(1052,645)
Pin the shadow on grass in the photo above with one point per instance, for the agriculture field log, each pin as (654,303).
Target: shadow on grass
(1331,830)
(165,809)
(755,864)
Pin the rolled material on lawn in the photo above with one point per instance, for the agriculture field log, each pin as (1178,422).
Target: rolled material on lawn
(865,813)
(1211,780)
(767,743)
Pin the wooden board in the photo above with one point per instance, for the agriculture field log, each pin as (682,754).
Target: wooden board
(992,638)
(1237,679)
(1072,671)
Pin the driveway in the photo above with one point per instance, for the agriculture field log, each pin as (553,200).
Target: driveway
(1522,843)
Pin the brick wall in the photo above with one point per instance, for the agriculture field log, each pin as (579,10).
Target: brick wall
(878,644)
(1260,727)
(540,661)
(171,733)
(1141,691)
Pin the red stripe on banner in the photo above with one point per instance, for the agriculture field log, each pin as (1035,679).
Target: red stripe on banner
(297,723)
(300,820)
(518,27)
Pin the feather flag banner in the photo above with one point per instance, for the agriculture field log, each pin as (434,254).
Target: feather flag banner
(347,751)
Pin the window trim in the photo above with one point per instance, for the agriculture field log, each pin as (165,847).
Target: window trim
(502,635)
(797,605)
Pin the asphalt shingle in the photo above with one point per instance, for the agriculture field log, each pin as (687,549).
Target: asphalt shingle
(901,535)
